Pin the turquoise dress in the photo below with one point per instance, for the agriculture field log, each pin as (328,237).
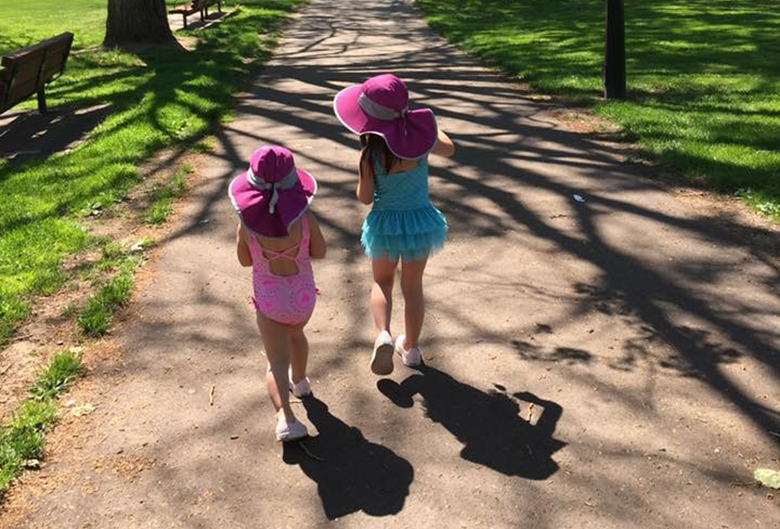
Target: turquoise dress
(402,221)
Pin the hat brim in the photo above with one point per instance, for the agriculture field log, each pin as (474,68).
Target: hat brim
(252,207)
(410,137)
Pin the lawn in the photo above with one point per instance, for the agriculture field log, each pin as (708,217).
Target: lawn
(159,98)
(24,23)
(703,76)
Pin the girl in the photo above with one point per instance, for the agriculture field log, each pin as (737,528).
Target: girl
(278,236)
(402,224)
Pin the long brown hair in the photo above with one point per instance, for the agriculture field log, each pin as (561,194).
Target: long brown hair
(373,146)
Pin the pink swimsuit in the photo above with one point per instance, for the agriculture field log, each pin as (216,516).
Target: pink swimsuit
(285,299)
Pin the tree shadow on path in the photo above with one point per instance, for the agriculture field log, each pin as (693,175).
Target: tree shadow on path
(488,424)
(354,473)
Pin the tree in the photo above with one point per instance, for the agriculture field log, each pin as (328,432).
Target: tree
(615,52)
(137,21)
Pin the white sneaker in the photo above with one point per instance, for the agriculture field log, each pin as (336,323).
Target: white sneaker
(302,388)
(411,357)
(290,432)
(382,357)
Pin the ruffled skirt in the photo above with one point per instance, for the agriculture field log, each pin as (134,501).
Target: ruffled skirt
(410,233)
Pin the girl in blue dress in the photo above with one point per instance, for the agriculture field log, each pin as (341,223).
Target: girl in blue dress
(403,225)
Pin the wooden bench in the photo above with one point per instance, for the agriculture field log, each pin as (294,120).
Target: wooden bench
(26,71)
(196,6)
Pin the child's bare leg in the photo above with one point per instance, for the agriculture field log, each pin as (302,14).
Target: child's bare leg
(276,340)
(382,292)
(299,352)
(414,301)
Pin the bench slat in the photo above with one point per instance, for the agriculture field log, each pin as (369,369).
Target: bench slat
(59,39)
(183,11)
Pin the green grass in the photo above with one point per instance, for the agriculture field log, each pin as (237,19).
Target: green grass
(22,439)
(159,98)
(95,317)
(25,23)
(163,197)
(703,76)
(60,373)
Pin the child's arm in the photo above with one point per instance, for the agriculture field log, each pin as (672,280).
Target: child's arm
(365,187)
(242,248)
(444,146)
(317,246)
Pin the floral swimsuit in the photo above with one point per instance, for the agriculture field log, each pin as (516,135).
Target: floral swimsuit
(285,299)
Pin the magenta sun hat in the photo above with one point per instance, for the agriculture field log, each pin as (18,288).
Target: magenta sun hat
(272,193)
(381,106)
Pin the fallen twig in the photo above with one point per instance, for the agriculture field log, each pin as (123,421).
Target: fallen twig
(211,395)
(308,453)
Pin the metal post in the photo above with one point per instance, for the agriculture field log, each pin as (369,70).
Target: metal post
(615,52)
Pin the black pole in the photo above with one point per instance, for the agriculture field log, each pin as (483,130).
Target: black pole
(615,52)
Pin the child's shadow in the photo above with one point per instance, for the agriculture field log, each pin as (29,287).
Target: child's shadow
(354,474)
(488,424)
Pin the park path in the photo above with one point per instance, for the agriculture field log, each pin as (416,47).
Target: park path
(610,363)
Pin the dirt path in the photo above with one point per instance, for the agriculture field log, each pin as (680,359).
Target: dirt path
(640,335)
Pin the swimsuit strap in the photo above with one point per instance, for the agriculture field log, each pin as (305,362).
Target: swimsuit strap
(305,233)
(303,253)
(286,253)
(282,253)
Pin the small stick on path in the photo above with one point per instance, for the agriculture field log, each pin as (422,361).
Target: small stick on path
(211,394)
(308,453)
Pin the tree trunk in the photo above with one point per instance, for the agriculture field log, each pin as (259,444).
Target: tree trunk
(615,52)
(136,21)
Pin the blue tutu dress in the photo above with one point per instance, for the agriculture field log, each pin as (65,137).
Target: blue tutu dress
(402,221)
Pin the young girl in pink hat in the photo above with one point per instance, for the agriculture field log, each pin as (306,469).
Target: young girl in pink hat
(278,236)
(403,225)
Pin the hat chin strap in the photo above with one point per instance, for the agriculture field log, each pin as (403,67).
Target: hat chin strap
(375,110)
(285,183)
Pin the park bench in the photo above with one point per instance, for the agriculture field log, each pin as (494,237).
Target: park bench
(26,71)
(196,6)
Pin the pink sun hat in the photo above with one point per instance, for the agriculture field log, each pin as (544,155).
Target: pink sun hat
(272,193)
(381,106)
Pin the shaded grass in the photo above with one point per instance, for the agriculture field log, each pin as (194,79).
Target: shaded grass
(703,76)
(160,97)
(22,439)
(163,197)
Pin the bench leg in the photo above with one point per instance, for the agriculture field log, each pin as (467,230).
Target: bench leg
(42,101)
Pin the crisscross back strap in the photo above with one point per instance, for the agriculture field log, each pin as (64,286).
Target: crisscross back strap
(272,255)
(293,253)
